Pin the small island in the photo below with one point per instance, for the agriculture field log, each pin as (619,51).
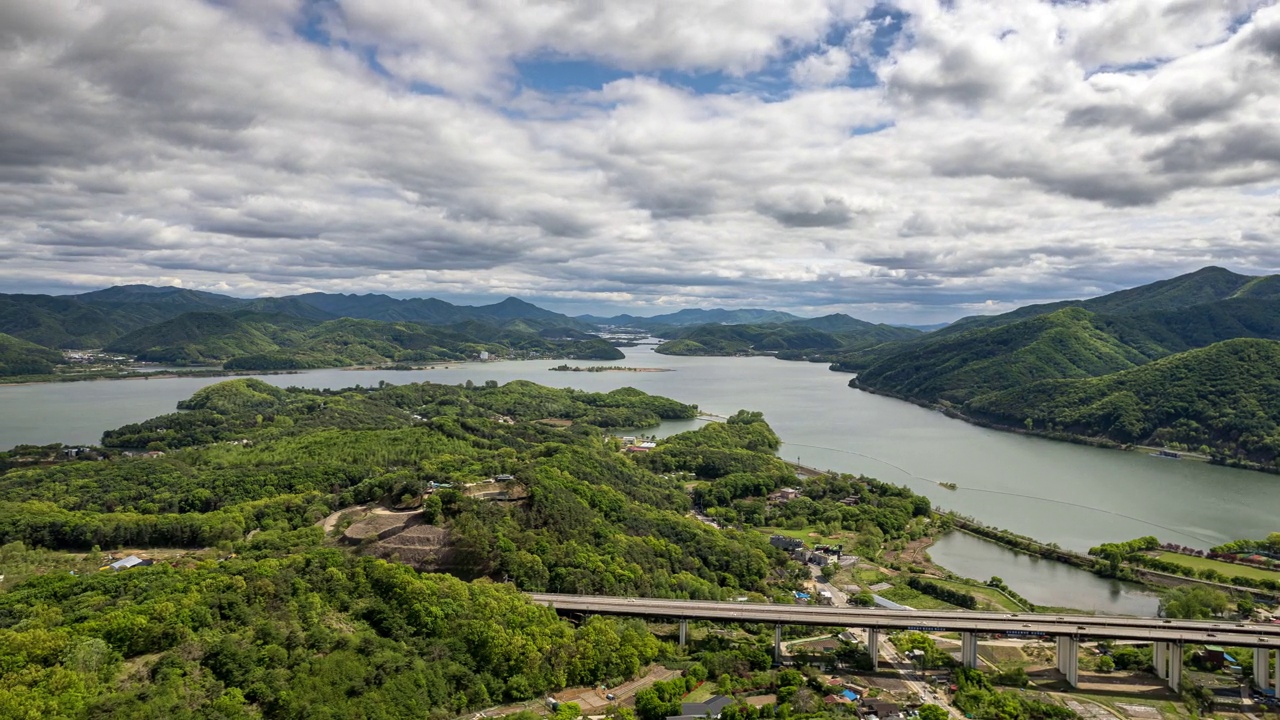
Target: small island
(606,368)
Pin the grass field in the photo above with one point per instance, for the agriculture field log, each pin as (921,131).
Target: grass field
(702,693)
(1228,569)
(1002,655)
(845,538)
(869,576)
(984,595)
(915,599)
(1166,708)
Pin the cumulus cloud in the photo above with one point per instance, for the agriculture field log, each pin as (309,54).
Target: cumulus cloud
(826,67)
(1009,151)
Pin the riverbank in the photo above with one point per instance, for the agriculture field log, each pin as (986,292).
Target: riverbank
(608,368)
(157,375)
(1096,442)
(1056,492)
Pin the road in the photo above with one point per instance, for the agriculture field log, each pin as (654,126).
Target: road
(910,676)
(914,679)
(1113,627)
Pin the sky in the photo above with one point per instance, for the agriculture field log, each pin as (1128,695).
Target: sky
(904,161)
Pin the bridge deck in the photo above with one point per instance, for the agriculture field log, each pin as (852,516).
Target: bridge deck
(1092,626)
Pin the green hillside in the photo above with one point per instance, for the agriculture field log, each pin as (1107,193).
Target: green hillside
(1071,342)
(200,337)
(821,336)
(60,322)
(1169,331)
(19,357)
(100,318)
(1207,285)
(841,323)
(244,340)
(1064,344)
(1224,398)
(252,609)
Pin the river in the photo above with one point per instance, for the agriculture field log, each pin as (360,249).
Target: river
(1043,582)
(1073,495)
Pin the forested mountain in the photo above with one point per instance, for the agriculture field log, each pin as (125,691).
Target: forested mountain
(174,325)
(1207,285)
(432,311)
(95,319)
(791,340)
(1068,343)
(694,316)
(989,372)
(61,322)
(287,623)
(1222,400)
(841,323)
(206,337)
(256,341)
(19,357)
(173,299)
(1071,342)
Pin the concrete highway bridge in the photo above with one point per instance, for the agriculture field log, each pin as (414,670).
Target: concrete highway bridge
(1168,636)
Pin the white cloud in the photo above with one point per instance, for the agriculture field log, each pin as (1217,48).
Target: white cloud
(463,45)
(150,141)
(829,66)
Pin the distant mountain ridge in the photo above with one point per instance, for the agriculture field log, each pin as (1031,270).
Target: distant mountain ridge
(96,319)
(695,316)
(431,310)
(1209,284)
(816,339)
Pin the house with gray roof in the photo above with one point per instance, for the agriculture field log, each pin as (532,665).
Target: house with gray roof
(709,709)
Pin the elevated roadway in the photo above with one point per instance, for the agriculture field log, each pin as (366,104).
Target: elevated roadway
(1252,635)
(1167,636)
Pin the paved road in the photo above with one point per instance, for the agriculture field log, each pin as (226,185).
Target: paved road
(915,682)
(1120,628)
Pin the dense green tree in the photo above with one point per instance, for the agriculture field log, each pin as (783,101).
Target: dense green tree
(1195,602)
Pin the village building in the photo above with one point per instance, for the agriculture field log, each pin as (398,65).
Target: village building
(711,708)
(784,495)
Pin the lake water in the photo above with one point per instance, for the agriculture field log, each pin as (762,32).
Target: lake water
(1073,495)
(1043,582)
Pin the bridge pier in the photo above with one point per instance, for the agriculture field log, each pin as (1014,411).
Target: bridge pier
(1174,653)
(777,643)
(1167,657)
(1069,659)
(1261,658)
(873,647)
(684,632)
(969,650)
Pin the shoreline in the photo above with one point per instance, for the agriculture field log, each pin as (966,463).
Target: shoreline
(1096,442)
(197,372)
(157,375)
(609,368)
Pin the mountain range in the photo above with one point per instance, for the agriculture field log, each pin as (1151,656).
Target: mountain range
(1096,368)
(808,339)
(94,319)
(693,316)
(177,325)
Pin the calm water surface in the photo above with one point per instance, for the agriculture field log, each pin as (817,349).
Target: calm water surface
(1057,492)
(1043,582)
